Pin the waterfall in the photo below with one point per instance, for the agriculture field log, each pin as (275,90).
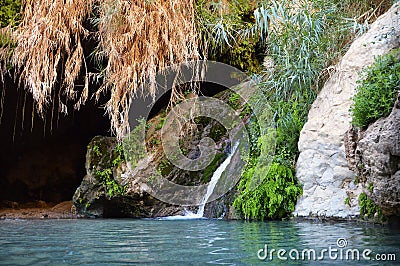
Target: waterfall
(214,180)
(210,189)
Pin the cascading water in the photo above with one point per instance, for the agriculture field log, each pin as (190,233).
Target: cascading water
(210,188)
(214,180)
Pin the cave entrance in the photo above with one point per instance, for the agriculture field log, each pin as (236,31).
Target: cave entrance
(44,158)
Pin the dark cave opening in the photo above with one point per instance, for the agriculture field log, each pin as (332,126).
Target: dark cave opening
(43,158)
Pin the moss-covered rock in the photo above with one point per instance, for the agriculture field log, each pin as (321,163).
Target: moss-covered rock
(110,190)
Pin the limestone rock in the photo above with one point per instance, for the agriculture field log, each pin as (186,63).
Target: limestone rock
(322,166)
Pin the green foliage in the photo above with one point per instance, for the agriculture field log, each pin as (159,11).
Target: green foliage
(165,167)
(367,207)
(235,101)
(290,117)
(96,150)
(103,162)
(217,131)
(106,179)
(222,24)
(377,89)
(274,198)
(347,201)
(301,41)
(241,55)
(133,145)
(9,12)
(161,123)
(370,186)
(119,155)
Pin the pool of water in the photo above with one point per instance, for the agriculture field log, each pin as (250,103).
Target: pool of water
(190,242)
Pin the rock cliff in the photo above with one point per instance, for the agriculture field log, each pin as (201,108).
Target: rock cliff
(322,167)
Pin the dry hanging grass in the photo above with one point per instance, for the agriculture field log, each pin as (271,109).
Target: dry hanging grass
(6,44)
(140,38)
(137,39)
(49,49)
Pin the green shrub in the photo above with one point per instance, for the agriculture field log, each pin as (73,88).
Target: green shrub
(368,207)
(347,201)
(274,198)
(104,163)
(377,89)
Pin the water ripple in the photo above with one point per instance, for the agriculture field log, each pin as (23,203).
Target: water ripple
(187,242)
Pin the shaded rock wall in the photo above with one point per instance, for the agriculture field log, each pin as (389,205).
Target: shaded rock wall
(378,161)
(43,159)
(322,166)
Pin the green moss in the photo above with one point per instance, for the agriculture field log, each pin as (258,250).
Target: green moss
(10,12)
(221,29)
(347,201)
(210,169)
(103,161)
(377,89)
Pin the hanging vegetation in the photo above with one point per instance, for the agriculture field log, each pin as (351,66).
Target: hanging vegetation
(49,50)
(136,39)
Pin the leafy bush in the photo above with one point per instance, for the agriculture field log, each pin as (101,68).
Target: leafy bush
(368,207)
(275,198)
(377,89)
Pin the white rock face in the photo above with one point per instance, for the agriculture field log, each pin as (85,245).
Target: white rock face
(322,167)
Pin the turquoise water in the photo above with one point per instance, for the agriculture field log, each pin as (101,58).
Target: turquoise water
(185,242)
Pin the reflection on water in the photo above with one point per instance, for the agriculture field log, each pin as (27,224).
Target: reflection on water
(186,242)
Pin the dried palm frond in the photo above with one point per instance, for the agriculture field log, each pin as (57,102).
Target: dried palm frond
(49,49)
(137,39)
(140,38)
(6,45)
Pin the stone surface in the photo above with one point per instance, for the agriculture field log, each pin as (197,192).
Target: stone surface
(37,210)
(378,160)
(322,166)
(93,200)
